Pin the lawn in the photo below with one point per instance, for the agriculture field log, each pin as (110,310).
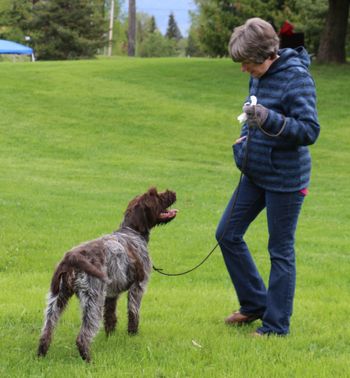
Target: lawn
(80,139)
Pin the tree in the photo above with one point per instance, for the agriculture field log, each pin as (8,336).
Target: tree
(152,27)
(173,31)
(193,45)
(66,29)
(14,18)
(308,17)
(143,22)
(333,39)
(120,26)
(132,28)
(155,44)
(218,18)
(150,42)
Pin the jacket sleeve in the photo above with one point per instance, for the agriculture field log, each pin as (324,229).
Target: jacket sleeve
(299,122)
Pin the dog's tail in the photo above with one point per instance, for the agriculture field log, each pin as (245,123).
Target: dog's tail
(73,261)
(61,269)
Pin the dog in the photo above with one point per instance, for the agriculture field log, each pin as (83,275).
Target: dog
(99,270)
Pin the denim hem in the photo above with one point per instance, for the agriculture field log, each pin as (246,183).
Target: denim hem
(264,331)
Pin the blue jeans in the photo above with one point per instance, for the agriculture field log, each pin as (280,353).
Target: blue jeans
(274,304)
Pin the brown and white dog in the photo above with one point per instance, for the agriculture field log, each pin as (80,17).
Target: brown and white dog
(98,271)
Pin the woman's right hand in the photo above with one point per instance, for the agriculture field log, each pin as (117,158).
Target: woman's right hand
(241,139)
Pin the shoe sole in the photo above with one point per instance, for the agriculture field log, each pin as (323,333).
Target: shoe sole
(244,322)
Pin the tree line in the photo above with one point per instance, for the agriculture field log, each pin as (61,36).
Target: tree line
(73,29)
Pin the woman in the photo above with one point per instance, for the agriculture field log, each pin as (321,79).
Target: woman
(273,155)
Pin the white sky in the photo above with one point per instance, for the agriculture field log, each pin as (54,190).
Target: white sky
(161,9)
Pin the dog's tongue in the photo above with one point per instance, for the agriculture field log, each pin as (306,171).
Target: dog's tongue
(169,214)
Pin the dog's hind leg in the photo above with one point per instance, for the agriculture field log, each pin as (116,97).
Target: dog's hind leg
(134,302)
(91,302)
(55,306)
(110,315)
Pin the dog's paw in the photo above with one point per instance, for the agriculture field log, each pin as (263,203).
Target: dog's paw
(132,332)
(109,331)
(42,349)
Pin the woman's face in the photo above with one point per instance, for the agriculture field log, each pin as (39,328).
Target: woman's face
(257,70)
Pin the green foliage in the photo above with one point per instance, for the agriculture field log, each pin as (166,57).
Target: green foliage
(152,43)
(120,37)
(120,30)
(310,18)
(149,40)
(152,27)
(79,139)
(194,47)
(58,29)
(14,17)
(156,45)
(173,31)
(67,29)
(217,19)
(144,25)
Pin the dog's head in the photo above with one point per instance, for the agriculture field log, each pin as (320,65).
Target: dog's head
(150,209)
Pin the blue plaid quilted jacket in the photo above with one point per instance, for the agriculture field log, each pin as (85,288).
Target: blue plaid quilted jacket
(287,90)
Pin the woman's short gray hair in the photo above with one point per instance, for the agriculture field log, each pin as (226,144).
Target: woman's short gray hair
(254,42)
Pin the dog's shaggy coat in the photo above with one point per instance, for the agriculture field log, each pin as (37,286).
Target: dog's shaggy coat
(98,271)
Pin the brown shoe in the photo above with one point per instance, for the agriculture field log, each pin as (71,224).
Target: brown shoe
(238,318)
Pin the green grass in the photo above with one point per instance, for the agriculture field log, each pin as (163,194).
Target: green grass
(80,139)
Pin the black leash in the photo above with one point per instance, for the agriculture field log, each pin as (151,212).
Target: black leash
(160,270)
(244,164)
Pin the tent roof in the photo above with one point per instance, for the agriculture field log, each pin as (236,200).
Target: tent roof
(9,47)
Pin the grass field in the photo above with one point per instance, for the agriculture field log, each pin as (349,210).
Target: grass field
(80,139)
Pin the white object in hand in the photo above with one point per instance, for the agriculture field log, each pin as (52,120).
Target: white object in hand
(243,117)
(253,100)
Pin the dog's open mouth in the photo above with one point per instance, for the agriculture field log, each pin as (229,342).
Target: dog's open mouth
(167,215)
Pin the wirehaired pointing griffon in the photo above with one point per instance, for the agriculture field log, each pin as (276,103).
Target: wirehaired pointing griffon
(99,270)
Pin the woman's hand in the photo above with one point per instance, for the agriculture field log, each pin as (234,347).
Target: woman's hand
(256,114)
(240,140)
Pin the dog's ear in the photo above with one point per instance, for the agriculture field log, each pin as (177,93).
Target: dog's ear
(152,191)
(136,218)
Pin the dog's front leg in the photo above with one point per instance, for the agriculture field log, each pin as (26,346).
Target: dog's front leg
(134,302)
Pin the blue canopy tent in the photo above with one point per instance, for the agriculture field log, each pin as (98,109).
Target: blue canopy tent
(9,47)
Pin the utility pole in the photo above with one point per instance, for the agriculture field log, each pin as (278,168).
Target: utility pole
(132,28)
(110,33)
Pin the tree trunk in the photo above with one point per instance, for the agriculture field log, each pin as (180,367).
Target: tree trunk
(110,32)
(333,38)
(132,28)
